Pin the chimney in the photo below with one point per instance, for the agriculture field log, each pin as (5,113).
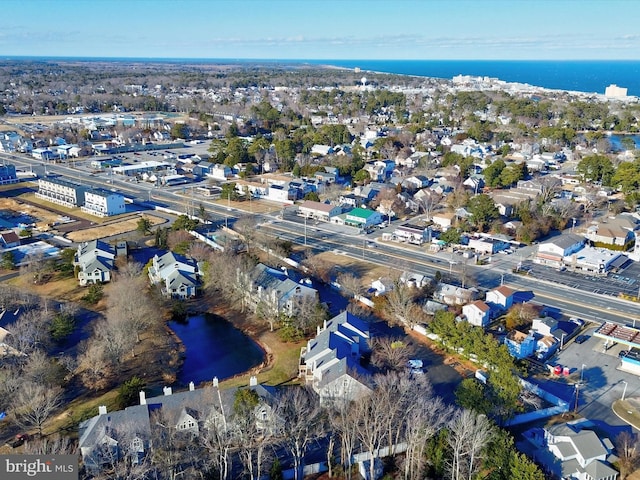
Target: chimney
(215,381)
(102,410)
(143,398)
(192,387)
(253,381)
(166,391)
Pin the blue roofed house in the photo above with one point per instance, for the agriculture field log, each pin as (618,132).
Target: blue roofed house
(94,261)
(520,345)
(177,275)
(331,362)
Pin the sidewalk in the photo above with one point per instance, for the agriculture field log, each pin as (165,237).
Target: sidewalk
(628,411)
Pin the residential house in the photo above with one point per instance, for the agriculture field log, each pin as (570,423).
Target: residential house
(573,451)
(380,170)
(500,298)
(368,192)
(331,362)
(615,231)
(103,203)
(454,295)
(477,313)
(61,192)
(9,239)
(416,182)
(318,210)
(94,261)
(129,433)
(520,345)
(274,291)
(382,285)
(177,275)
(8,174)
(444,220)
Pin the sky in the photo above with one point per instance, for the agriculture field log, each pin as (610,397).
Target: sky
(323,29)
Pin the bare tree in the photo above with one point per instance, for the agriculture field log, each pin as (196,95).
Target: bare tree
(51,445)
(299,412)
(468,436)
(217,436)
(428,203)
(401,306)
(37,267)
(116,336)
(34,404)
(200,251)
(129,305)
(318,267)
(343,420)
(391,353)
(350,283)
(247,228)
(29,332)
(628,450)
(307,313)
(93,366)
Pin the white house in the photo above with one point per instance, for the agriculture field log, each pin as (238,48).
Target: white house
(331,361)
(501,297)
(94,261)
(177,274)
(578,452)
(103,203)
(477,313)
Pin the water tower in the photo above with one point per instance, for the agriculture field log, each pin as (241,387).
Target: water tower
(363,81)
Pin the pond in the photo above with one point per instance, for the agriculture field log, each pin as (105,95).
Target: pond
(214,348)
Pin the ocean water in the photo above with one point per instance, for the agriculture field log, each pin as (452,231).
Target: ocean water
(589,76)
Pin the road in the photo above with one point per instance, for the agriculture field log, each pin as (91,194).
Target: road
(576,295)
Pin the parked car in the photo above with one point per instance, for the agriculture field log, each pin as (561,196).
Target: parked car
(19,439)
(582,338)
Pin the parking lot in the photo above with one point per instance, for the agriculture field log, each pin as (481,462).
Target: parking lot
(594,373)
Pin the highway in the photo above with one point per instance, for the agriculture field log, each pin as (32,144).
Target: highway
(581,301)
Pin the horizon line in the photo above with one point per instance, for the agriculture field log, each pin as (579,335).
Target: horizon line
(298,60)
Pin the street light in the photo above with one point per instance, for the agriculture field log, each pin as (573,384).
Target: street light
(582,372)
(625,389)
(305,229)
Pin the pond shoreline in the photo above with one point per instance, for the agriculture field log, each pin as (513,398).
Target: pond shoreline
(225,318)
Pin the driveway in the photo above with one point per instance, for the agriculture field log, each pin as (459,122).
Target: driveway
(594,374)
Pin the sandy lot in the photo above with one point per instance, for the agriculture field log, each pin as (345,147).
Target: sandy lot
(115,228)
(43,217)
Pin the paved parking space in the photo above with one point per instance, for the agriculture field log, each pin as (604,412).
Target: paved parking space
(595,373)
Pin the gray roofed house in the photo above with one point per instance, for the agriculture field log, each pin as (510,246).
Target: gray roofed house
(275,290)
(177,274)
(95,262)
(111,436)
(578,452)
(331,361)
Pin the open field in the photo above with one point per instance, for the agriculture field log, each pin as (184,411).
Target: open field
(116,228)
